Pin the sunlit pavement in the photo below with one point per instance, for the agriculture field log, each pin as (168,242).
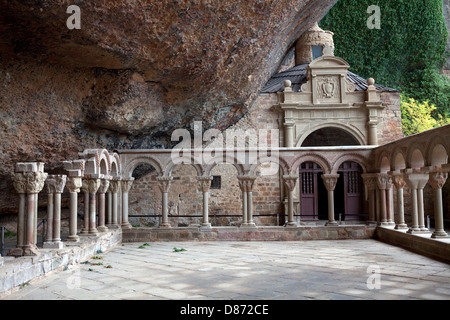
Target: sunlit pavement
(336,270)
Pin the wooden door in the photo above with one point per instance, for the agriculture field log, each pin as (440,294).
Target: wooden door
(309,177)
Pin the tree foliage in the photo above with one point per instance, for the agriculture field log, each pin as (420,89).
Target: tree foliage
(417,116)
(406,53)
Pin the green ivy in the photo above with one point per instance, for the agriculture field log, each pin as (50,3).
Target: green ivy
(406,53)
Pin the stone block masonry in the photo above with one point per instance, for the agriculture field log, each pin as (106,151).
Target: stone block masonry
(16,272)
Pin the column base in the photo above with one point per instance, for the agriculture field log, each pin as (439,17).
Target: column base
(53,245)
(249,225)
(333,223)
(93,232)
(126,225)
(205,227)
(74,238)
(439,234)
(416,230)
(165,225)
(84,232)
(103,229)
(31,250)
(401,226)
(291,224)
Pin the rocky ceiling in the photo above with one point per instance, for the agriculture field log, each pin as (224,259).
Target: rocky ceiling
(135,70)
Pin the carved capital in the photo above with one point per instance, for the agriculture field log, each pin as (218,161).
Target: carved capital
(19,182)
(104,185)
(246,183)
(290,181)
(35,181)
(74,184)
(370,180)
(55,183)
(384,181)
(164,183)
(204,183)
(330,181)
(126,184)
(90,185)
(114,186)
(438,179)
(399,181)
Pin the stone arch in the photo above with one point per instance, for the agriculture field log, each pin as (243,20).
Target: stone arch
(383,162)
(170,166)
(224,158)
(415,158)
(437,151)
(354,132)
(320,160)
(357,158)
(115,165)
(282,164)
(398,160)
(132,164)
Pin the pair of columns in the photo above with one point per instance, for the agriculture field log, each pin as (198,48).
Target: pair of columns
(204,184)
(380,196)
(28,180)
(55,187)
(246,184)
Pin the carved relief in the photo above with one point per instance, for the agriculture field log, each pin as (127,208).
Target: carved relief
(328,88)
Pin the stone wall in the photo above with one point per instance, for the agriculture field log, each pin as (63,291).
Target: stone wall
(390,127)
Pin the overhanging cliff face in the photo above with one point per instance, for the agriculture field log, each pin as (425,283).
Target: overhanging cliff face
(134,72)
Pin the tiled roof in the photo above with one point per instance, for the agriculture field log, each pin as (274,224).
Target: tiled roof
(297,75)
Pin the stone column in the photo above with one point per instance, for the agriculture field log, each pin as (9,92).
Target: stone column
(249,182)
(243,187)
(90,188)
(330,181)
(374,107)
(104,185)
(20,185)
(29,177)
(437,181)
(399,183)
(370,180)
(114,187)
(55,187)
(126,186)
(290,181)
(73,185)
(164,186)
(415,181)
(420,207)
(289,133)
(204,184)
(384,182)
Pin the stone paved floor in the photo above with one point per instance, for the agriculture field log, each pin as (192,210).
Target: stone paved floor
(334,270)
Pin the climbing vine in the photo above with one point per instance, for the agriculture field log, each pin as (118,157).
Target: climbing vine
(406,52)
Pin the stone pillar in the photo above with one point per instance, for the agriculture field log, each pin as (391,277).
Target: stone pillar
(415,181)
(437,181)
(420,207)
(384,182)
(114,187)
(374,107)
(290,181)
(73,185)
(243,187)
(289,133)
(90,187)
(164,186)
(104,185)
(204,184)
(399,183)
(370,181)
(126,186)
(20,185)
(55,187)
(330,181)
(248,182)
(29,178)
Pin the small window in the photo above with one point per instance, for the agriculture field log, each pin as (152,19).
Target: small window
(216,182)
(317,52)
